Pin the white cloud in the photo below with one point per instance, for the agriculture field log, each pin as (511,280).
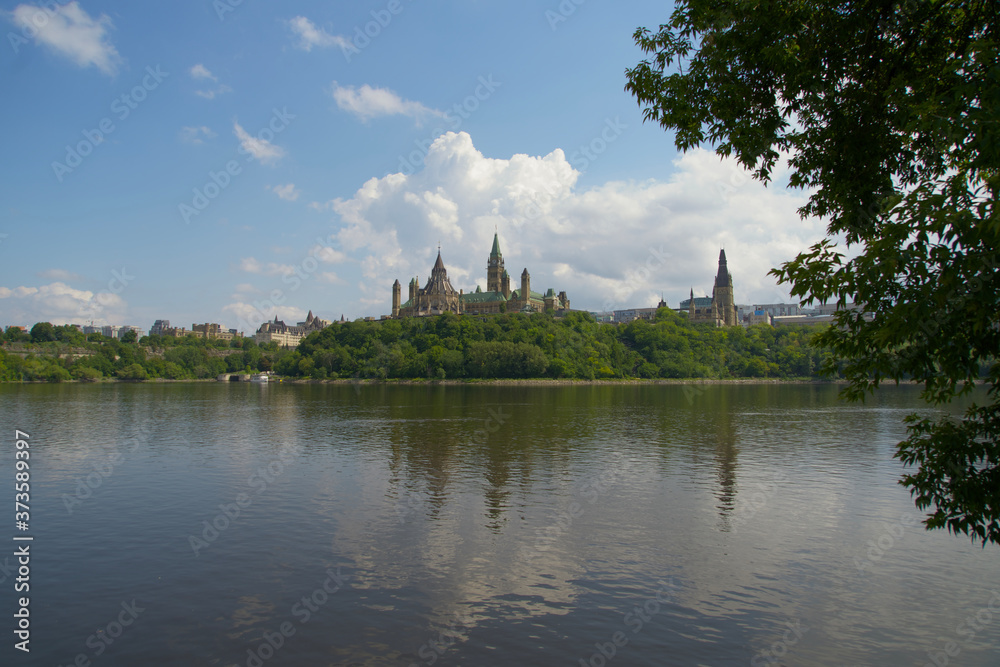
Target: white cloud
(199,71)
(288,192)
(367,102)
(195,135)
(620,244)
(60,274)
(327,254)
(211,94)
(310,36)
(261,149)
(70,31)
(331,278)
(252,265)
(59,303)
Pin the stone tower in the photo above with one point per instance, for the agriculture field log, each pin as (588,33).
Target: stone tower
(396,290)
(525,287)
(723,301)
(494,268)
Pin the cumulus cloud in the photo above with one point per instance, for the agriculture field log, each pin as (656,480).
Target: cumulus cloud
(195,135)
(617,245)
(367,102)
(59,303)
(288,191)
(71,32)
(310,36)
(263,150)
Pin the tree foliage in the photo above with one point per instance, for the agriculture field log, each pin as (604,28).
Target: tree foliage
(890,115)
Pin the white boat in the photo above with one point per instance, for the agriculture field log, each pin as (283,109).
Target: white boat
(259,377)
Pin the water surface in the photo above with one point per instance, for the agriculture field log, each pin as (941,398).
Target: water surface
(237,524)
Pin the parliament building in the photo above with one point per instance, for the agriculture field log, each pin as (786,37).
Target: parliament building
(438,296)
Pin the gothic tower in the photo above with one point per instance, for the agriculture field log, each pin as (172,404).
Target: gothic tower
(396,289)
(494,268)
(525,287)
(722,294)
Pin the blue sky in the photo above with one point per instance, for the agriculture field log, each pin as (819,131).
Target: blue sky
(231,161)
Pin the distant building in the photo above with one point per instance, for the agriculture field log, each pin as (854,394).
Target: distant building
(720,309)
(628,315)
(286,335)
(110,330)
(212,330)
(779,309)
(758,317)
(159,327)
(439,296)
(126,328)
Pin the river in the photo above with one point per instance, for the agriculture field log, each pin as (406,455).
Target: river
(238,524)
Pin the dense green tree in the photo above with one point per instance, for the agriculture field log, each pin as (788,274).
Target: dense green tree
(43,332)
(130,336)
(889,113)
(133,372)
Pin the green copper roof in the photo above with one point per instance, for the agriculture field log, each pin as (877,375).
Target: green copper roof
(496,247)
(483,297)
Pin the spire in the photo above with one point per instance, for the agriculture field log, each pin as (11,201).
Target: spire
(495,252)
(438,265)
(723,279)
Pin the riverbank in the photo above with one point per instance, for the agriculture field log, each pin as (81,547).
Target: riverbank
(541,382)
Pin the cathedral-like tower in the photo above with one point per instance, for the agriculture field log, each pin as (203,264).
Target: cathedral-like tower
(494,268)
(722,294)
(396,290)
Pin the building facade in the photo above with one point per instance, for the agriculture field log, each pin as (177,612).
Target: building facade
(286,335)
(439,296)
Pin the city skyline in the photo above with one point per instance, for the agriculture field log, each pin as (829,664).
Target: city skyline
(161,169)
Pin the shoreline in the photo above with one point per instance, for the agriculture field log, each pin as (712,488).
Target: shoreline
(539,382)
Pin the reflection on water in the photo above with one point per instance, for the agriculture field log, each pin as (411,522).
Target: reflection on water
(481,525)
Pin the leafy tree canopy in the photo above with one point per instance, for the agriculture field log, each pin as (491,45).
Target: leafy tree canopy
(889,113)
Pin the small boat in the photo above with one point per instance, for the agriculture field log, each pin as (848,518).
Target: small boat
(259,377)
